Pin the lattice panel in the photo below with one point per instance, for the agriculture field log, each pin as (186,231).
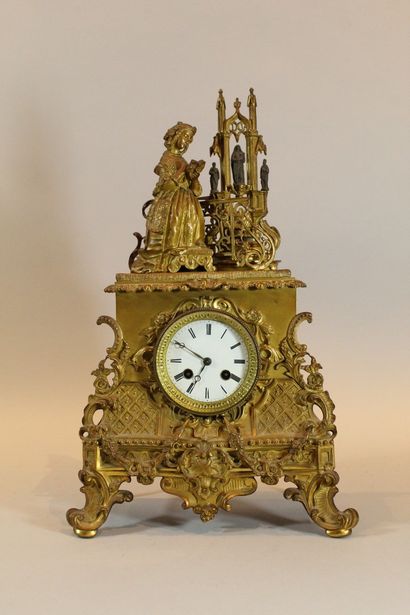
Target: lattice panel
(134,413)
(281,413)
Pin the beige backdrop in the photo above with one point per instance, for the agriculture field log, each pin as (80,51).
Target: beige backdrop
(88,89)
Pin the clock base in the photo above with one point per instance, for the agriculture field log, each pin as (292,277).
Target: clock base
(284,430)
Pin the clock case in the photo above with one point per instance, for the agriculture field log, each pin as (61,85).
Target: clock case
(284,430)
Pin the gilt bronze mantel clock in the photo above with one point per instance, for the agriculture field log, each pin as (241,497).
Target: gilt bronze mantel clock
(206,385)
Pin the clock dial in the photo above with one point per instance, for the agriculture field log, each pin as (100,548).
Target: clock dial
(206,361)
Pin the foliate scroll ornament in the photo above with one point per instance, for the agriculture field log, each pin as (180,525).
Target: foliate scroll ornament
(238,233)
(107,378)
(258,249)
(311,395)
(190,260)
(294,353)
(101,493)
(316,493)
(91,430)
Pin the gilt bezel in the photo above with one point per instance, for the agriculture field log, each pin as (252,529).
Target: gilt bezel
(176,396)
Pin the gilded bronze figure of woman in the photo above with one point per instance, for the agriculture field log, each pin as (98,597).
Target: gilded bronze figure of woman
(175,222)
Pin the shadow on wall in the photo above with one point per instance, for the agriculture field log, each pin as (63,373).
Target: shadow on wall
(45,295)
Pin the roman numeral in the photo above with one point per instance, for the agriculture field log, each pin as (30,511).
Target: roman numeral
(176,360)
(224,390)
(191,387)
(224,333)
(235,345)
(208,328)
(239,360)
(179,376)
(206,393)
(236,378)
(192,332)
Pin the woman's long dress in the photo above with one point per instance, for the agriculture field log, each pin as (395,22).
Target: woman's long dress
(175,224)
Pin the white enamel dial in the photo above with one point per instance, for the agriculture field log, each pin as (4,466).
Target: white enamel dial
(207,361)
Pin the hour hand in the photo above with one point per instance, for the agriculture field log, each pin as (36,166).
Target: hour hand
(197,378)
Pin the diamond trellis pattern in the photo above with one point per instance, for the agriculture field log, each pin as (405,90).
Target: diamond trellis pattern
(281,413)
(134,414)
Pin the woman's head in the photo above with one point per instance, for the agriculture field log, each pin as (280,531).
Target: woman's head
(178,138)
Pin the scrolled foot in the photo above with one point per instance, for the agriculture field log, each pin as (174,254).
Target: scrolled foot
(101,493)
(316,493)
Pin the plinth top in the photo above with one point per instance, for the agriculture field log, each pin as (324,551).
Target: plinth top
(203,280)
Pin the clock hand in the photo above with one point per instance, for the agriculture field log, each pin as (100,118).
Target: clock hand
(197,378)
(181,345)
(205,361)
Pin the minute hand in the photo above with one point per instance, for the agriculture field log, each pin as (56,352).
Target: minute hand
(181,345)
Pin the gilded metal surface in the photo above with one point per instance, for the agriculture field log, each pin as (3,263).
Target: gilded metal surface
(280,413)
(262,354)
(175,223)
(237,231)
(209,460)
(133,424)
(217,280)
(226,229)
